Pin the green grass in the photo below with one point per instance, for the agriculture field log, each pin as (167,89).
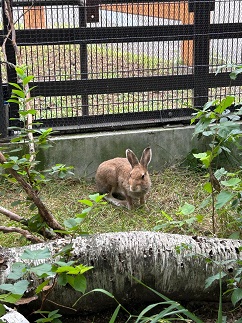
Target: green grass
(170,189)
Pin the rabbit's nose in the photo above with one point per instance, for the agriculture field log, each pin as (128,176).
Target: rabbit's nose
(135,188)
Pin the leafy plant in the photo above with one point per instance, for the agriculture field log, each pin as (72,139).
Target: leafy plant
(46,276)
(171,309)
(19,162)
(185,221)
(219,126)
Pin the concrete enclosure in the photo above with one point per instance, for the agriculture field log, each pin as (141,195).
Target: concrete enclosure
(86,151)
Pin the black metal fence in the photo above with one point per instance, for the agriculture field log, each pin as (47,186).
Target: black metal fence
(105,64)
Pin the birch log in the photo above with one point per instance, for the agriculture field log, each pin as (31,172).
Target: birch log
(154,258)
(13,316)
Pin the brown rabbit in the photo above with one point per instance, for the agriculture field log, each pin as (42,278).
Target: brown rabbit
(126,177)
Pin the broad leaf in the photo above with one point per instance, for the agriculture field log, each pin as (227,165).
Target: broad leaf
(42,270)
(205,158)
(77,282)
(225,103)
(86,202)
(36,254)
(208,187)
(41,286)
(18,288)
(18,270)
(223,198)
(27,79)
(10,298)
(2,310)
(187,209)
(80,283)
(231,182)
(19,93)
(236,296)
(212,279)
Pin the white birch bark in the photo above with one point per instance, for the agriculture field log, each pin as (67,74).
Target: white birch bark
(148,256)
(13,317)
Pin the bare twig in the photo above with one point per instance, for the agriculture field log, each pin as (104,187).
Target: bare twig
(23,232)
(13,216)
(9,15)
(45,232)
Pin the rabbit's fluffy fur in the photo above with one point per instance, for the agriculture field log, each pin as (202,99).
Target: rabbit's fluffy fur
(127,178)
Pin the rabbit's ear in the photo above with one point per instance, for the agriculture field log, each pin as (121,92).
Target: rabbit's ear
(132,158)
(146,157)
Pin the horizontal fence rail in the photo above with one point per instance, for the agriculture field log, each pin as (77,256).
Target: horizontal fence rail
(102,64)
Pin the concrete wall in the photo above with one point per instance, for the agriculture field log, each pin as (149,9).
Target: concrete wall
(86,151)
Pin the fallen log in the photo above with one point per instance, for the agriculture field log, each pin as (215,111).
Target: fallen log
(174,265)
(13,316)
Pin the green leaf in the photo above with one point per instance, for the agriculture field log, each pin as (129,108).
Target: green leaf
(80,283)
(235,235)
(86,202)
(233,75)
(27,79)
(13,101)
(70,223)
(187,209)
(220,172)
(167,216)
(225,103)
(208,187)
(231,182)
(80,269)
(65,250)
(100,290)
(96,197)
(10,298)
(41,286)
(212,279)
(2,310)
(42,270)
(77,282)
(19,93)
(18,288)
(18,270)
(62,279)
(16,85)
(236,296)
(115,314)
(201,126)
(204,158)
(223,198)
(36,254)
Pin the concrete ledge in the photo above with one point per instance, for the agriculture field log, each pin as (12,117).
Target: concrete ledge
(86,151)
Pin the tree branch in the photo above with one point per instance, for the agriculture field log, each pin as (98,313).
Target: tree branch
(23,232)
(9,15)
(13,216)
(43,211)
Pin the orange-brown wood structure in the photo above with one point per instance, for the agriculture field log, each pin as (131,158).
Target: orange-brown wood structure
(172,10)
(34,17)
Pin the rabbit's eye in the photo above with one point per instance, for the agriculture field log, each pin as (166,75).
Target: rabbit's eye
(143,176)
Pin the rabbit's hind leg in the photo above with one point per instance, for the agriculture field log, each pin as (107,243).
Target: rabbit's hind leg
(110,198)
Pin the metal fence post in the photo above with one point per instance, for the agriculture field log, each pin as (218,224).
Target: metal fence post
(83,55)
(201,9)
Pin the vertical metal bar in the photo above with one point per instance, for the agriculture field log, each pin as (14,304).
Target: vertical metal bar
(201,9)
(83,56)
